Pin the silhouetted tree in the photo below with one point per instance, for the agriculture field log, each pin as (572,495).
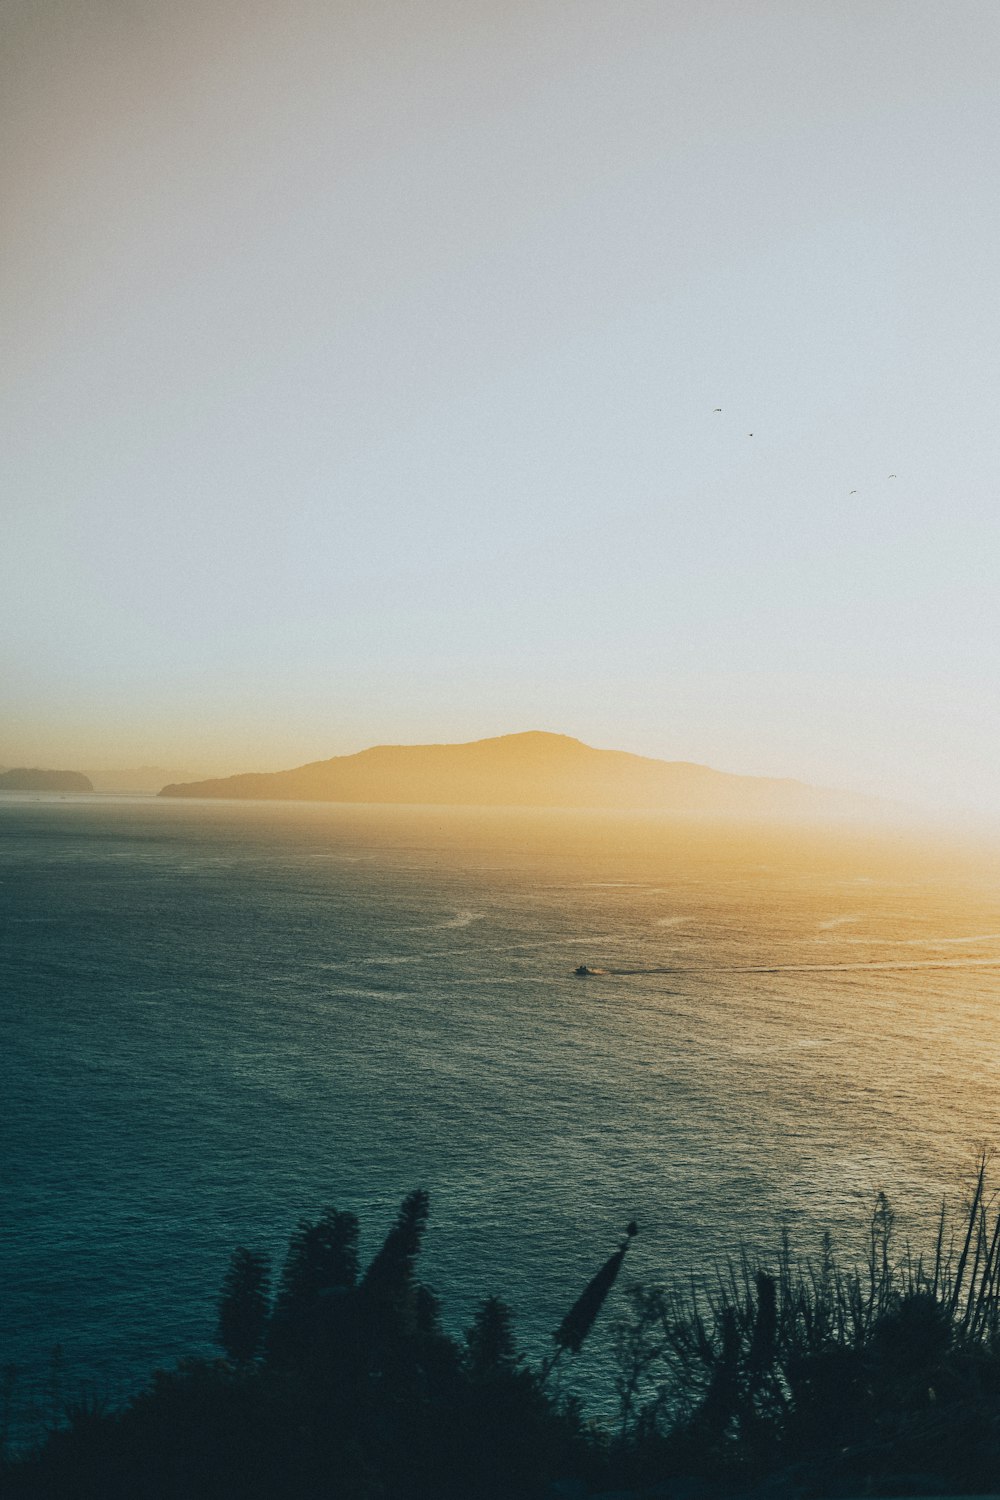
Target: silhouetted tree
(390,1274)
(388,1286)
(320,1270)
(489,1344)
(8,1387)
(244,1305)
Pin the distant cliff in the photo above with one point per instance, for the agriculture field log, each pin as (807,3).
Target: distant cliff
(529,770)
(21,779)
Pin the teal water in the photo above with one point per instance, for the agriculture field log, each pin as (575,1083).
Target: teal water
(216,1018)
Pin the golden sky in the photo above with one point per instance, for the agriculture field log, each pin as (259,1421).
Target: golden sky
(361,365)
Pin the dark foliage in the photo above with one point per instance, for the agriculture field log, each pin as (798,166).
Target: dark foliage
(243,1305)
(848,1379)
(490,1350)
(312,1314)
(348,1386)
(804,1376)
(581,1317)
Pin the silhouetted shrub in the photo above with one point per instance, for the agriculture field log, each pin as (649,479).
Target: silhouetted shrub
(320,1269)
(889,1367)
(845,1377)
(244,1305)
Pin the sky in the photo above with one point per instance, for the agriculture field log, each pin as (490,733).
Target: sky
(361,365)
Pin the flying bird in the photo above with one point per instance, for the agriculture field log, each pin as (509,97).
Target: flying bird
(716,408)
(852,492)
(892,476)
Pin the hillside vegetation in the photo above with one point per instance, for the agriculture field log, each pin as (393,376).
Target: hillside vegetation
(799,1373)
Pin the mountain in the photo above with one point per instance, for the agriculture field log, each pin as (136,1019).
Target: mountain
(531,770)
(25,779)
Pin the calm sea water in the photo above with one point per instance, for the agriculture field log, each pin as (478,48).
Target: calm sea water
(217,1018)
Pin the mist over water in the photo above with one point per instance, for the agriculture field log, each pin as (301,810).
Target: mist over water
(219,1017)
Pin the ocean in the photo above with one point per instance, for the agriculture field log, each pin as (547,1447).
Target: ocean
(217,1018)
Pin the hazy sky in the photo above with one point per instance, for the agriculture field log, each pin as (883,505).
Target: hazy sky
(360,363)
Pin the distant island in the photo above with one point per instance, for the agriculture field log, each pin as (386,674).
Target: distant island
(25,779)
(531,770)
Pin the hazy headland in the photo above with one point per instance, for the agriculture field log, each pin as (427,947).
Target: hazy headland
(34,779)
(537,769)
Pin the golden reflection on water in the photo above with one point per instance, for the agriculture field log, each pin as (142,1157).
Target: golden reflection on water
(231,1015)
